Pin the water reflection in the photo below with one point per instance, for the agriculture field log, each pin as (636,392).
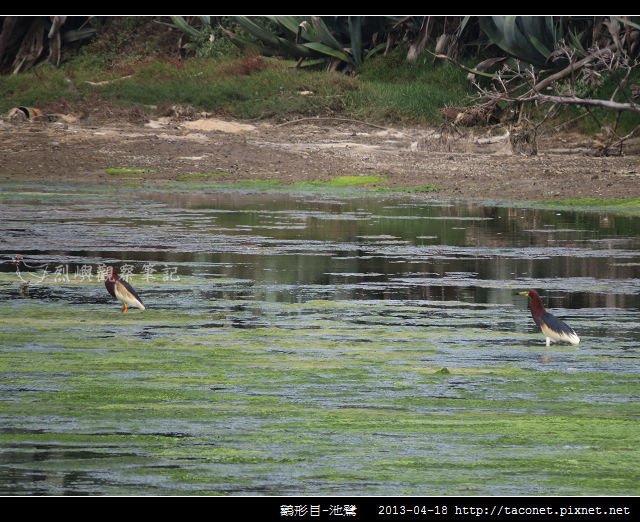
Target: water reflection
(298,247)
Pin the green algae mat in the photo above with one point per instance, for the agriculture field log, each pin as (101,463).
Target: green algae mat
(313,343)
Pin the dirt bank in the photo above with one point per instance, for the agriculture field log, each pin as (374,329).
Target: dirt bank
(312,150)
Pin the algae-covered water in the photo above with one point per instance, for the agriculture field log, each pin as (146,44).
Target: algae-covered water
(314,344)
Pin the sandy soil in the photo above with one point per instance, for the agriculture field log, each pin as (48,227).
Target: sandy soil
(468,167)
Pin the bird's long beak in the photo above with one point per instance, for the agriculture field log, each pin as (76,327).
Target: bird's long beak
(525,293)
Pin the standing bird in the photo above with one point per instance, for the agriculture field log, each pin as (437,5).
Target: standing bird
(122,291)
(553,328)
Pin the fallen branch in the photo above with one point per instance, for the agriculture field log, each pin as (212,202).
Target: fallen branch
(335,119)
(574,100)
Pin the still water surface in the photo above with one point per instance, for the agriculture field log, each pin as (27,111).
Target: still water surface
(314,344)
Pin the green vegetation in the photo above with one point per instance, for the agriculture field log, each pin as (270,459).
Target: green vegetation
(623,205)
(178,401)
(414,92)
(217,180)
(248,87)
(34,90)
(344,181)
(133,61)
(368,182)
(124,171)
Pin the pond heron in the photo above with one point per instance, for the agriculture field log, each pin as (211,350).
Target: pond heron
(122,291)
(553,328)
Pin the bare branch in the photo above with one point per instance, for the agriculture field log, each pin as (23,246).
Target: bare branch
(574,100)
(628,136)
(569,122)
(569,70)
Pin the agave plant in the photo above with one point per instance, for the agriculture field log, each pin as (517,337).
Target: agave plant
(316,35)
(529,38)
(352,39)
(179,22)
(347,39)
(274,42)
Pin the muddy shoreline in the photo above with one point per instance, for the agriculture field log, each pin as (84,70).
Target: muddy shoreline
(461,167)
